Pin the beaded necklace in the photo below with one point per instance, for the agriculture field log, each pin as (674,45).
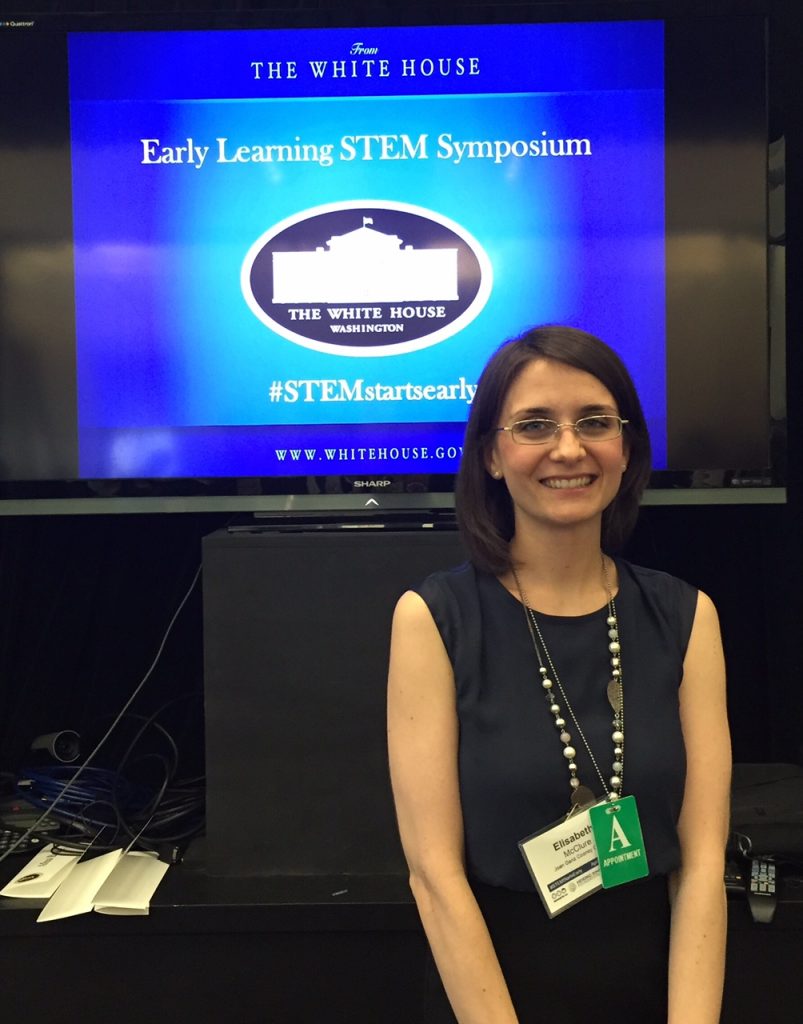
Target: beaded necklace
(581,794)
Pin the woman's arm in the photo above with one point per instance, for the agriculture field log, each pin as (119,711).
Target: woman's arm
(422,742)
(699,913)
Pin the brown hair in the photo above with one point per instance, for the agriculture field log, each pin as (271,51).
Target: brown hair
(484,507)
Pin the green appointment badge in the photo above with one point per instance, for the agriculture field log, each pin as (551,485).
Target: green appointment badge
(620,845)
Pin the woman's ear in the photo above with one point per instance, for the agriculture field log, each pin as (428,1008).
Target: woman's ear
(625,454)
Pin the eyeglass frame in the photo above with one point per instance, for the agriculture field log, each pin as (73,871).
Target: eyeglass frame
(559,426)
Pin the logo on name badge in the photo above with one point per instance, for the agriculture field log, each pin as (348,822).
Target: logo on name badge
(367,278)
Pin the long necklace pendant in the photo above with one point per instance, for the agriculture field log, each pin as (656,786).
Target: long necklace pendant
(615,694)
(582,797)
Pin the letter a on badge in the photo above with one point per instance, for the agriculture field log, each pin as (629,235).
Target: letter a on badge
(618,835)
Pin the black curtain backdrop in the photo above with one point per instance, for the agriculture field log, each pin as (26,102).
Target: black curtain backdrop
(86,601)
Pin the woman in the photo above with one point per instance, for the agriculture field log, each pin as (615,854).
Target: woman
(499,716)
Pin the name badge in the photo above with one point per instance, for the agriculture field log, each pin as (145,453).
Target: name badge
(563,862)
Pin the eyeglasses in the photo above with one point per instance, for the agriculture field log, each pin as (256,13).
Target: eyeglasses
(589,428)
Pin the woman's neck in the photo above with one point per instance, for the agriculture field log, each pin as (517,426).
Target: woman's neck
(561,574)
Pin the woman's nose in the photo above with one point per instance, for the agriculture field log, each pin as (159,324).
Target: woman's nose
(567,443)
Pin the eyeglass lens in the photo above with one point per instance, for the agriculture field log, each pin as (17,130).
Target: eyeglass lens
(589,428)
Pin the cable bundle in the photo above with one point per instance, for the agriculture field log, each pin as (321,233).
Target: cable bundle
(141,802)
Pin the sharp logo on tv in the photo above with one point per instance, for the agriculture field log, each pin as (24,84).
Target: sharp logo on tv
(367,278)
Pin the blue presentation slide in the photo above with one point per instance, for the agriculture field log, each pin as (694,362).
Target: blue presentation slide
(295,250)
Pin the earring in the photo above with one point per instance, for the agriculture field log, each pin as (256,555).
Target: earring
(624,466)
(496,475)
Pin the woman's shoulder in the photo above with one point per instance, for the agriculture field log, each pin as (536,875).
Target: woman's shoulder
(447,590)
(457,599)
(668,598)
(455,579)
(656,580)
(464,584)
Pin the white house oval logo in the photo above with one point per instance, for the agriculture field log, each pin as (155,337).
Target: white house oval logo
(366,278)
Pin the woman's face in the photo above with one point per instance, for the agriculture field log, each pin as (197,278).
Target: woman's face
(564,482)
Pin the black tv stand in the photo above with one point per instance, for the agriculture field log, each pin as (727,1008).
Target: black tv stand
(369,518)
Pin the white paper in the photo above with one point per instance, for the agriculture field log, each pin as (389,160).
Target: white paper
(124,911)
(130,887)
(41,876)
(114,883)
(76,894)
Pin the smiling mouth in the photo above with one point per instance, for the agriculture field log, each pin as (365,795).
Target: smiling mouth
(564,483)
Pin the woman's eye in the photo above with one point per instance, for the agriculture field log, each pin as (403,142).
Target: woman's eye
(535,428)
(595,424)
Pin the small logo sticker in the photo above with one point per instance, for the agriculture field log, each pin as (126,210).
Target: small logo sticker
(366,278)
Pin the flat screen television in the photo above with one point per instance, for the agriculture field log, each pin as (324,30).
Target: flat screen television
(257,261)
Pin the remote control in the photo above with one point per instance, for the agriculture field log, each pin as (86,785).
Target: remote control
(9,836)
(761,890)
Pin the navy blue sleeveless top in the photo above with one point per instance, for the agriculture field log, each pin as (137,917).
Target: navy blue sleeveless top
(513,776)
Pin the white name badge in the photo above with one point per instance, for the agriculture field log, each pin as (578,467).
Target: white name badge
(563,862)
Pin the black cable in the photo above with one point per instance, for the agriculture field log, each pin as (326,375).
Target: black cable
(156,816)
(121,714)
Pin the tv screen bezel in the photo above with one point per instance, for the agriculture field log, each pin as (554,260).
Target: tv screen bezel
(340,495)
